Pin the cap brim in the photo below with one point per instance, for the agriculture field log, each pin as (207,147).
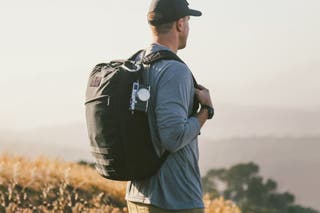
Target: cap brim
(194,12)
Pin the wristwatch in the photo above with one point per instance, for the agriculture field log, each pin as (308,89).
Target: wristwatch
(209,109)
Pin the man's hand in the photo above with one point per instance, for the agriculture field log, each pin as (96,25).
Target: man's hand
(203,96)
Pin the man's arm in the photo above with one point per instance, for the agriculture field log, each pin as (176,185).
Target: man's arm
(176,130)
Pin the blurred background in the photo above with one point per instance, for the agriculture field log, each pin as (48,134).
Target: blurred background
(260,60)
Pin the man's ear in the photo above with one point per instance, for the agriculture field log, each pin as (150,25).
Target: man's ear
(179,24)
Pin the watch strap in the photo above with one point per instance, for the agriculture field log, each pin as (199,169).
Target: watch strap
(209,109)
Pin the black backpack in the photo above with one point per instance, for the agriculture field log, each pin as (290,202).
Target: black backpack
(116,115)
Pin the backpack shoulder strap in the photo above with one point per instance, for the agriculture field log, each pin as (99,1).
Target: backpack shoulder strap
(169,55)
(161,55)
(164,55)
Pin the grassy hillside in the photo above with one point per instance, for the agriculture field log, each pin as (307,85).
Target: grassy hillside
(44,185)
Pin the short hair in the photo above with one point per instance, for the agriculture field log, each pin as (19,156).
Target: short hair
(162,28)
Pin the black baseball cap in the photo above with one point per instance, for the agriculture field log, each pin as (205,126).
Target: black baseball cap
(165,11)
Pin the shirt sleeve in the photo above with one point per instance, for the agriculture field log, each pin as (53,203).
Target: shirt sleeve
(176,129)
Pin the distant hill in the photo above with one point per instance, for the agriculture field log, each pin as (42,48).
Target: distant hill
(247,121)
(69,142)
(293,162)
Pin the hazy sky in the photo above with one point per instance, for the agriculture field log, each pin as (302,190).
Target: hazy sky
(248,52)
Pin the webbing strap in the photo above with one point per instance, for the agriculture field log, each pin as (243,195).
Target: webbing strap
(165,55)
(99,150)
(161,54)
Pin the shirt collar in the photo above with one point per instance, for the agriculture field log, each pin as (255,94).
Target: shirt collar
(154,47)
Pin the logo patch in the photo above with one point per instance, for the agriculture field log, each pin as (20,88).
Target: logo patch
(95,82)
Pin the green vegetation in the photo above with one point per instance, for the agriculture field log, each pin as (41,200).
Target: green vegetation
(242,184)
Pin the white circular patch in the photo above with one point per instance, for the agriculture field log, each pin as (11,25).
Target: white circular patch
(143,94)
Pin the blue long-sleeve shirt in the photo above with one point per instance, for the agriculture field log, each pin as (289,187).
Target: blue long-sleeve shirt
(177,184)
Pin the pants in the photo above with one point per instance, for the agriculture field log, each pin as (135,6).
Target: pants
(134,207)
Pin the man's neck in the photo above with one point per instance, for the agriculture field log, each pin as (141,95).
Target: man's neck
(171,44)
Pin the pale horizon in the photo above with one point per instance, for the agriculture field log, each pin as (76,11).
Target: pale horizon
(247,53)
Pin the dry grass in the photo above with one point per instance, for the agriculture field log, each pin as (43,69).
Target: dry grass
(220,205)
(44,185)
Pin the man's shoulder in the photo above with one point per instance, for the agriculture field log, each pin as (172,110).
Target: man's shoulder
(172,71)
(165,63)
(172,68)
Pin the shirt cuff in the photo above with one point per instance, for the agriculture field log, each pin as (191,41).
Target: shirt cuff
(196,124)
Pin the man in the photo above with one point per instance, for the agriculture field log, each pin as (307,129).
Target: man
(176,187)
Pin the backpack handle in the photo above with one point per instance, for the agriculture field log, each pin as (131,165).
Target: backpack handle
(134,56)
